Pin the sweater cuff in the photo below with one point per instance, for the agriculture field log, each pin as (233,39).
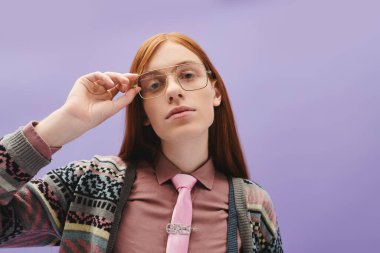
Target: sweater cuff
(37,142)
(23,152)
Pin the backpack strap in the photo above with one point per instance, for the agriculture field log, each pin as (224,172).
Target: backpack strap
(232,240)
(244,224)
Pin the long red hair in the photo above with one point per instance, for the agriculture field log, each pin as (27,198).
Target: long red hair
(140,143)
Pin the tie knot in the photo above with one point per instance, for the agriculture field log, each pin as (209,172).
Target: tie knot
(183,180)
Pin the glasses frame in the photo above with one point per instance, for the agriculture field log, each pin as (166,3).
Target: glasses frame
(208,72)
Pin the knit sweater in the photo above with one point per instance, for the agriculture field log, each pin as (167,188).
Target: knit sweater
(78,206)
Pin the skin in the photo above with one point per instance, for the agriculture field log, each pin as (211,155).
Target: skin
(184,140)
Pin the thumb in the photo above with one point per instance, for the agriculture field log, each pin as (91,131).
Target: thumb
(126,99)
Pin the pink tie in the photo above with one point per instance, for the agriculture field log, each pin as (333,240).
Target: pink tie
(180,227)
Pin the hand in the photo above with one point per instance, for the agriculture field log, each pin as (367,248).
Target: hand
(91,99)
(89,103)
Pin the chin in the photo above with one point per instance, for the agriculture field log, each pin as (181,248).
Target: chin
(179,134)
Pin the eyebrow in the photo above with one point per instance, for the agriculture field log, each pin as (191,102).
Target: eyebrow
(178,63)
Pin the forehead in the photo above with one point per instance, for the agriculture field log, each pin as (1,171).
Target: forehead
(170,54)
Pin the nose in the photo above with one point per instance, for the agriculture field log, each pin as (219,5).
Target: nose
(173,89)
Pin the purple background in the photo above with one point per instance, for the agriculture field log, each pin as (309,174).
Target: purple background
(303,77)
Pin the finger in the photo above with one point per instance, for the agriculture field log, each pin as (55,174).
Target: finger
(120,78)
(125,100)
(113,91)
(95,88)
(100,79)
(122,81)
(132,77)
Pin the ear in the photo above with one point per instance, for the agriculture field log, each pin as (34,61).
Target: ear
(217,96)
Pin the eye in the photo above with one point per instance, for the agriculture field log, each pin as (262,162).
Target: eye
(153,86)
(187,75)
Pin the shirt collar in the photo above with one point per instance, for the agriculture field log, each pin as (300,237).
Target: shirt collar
(165,170)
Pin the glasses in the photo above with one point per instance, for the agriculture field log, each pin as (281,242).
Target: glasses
(190,76)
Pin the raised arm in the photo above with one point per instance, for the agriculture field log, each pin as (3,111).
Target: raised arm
(32,211)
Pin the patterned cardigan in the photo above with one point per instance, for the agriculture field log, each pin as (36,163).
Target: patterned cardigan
(79,206)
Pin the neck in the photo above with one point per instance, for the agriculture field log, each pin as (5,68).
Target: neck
(188,155)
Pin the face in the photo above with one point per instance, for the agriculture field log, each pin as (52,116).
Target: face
(184,125)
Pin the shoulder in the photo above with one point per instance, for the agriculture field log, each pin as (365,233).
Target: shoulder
(256,195)
(99,166)
(111,162)
(101,163)
(260,204)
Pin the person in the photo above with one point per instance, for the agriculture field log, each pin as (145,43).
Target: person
(178,122)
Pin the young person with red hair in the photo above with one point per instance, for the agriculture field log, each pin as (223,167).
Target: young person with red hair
(178,184)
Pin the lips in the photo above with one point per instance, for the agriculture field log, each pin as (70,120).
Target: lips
(178,109)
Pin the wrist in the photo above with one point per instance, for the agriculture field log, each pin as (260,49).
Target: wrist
(57,129)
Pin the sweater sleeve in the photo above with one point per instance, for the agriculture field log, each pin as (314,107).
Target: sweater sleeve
(32,211)
(263,220)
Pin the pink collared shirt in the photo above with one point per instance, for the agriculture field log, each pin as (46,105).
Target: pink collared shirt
(152,200)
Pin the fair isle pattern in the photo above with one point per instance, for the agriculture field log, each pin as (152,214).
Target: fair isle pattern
(91,189)
(265,231)
(38,231)
(80,197)
(74,206)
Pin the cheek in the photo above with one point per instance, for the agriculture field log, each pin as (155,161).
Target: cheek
(154,115)
(207,109)
(149,111)
(209,114)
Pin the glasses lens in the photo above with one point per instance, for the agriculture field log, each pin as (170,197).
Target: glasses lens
(192,76)
(152,85)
